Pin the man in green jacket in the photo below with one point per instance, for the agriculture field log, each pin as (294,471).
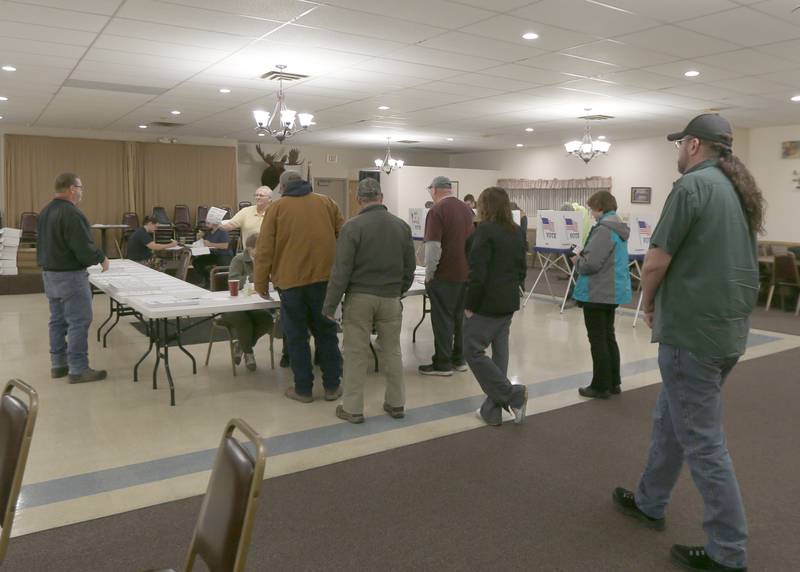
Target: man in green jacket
(374,266)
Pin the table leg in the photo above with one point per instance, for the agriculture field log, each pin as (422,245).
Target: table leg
(158,342)
(180,345)
(422,319)
(166,365)
(569,285)
(545,262)
(638,308)
(149,328)
(110,315)
(113,325)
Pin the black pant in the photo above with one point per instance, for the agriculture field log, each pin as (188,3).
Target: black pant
(447,318)
(599,320)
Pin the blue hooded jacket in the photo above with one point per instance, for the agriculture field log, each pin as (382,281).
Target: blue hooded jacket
(602,267)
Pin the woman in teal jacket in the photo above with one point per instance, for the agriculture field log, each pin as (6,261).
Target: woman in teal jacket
(603,282)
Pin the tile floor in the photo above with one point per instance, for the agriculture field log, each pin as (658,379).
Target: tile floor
(113,446)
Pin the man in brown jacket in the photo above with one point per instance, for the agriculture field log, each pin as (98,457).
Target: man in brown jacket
(295,251)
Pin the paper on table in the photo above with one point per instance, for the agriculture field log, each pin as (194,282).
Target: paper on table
(199,247)
(215,215)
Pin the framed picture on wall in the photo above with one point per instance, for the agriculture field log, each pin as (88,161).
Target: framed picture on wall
(641,195)
(455,188)
(790,150)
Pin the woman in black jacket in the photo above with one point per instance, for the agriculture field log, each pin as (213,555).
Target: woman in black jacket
(496,253)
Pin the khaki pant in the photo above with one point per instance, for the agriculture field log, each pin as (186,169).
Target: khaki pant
(362,313)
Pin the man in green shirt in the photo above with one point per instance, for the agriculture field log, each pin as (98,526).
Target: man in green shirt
(700,280)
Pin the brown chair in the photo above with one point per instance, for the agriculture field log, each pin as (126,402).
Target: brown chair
(227,210)
(181,216)
(225,524)
(200,218)
(234,239)
(184,261)
(785,275)
(17,420)
(244,204)
(27,224)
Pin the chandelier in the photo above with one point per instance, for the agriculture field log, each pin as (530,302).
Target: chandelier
(283,122)
(388,164)
(586,149)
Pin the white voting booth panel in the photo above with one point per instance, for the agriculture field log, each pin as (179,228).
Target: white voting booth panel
(642,226)
(559,230)
(416,220)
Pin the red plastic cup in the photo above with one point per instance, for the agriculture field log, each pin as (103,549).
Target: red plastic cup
(233,287)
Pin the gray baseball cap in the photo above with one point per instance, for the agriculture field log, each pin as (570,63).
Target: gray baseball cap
(440,183)
(708,127)
(369,189)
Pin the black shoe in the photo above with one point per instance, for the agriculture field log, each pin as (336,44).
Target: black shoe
(590,391)
(616,390)
(695,558)
(87,375)
(285,361)
(625,501)
(56,372)
(431,369)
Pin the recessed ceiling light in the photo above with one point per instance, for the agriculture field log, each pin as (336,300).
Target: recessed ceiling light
(9,68)
(3,98)
(529,129)
(520,145)
(224,90)
(175,112)
(796,98)
(692,73)
(1,117)
(601,137)
(450,139)
(262,134)
(143,127)
(384,107)
(530,36)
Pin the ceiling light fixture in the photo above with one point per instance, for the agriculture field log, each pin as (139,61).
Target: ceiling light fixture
(692,73)
(529,129)
(224,90)
(388,164)
(9,68)
(384,107)
(285,117)
(520,145)
(3,98)
(586,149)
(530,36)
(1,117)
(796,98)
(450,139)
(175,112)
(143,127)
(601,137)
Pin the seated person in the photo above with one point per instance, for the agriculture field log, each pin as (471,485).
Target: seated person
(141,243)
(249,325)
(217,240)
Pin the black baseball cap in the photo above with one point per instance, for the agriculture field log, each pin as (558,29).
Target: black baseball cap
(708,127)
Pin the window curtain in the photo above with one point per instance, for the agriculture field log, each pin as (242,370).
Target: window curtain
(533,195)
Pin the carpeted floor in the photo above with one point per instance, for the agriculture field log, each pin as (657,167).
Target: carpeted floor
(530,497)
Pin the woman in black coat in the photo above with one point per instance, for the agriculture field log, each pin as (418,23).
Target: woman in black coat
(496,253)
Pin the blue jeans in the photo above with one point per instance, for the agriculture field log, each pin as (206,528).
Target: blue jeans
(301,311)
(687,424)
(70,298)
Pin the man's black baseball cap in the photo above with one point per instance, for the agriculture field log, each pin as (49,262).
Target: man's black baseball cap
(708,127)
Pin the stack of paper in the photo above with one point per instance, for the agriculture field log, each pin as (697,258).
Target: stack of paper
(9,245)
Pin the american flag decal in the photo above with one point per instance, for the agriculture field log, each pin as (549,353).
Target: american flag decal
(571,224)
(644,229)
(547,225)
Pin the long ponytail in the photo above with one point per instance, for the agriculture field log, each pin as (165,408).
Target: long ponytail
(750,195)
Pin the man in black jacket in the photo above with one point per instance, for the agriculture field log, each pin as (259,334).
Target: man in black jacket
(64,250)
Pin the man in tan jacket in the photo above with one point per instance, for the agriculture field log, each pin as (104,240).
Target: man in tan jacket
(295,251)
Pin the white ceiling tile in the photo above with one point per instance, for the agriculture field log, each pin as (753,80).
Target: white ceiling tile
(526,73)
(749,62)
(32,75)
(45,34)
(643,79)
(789,50)
(123,79)
(369,25)
(748,27)
(582,16)
(159,48)
(407,68)
(497,5)
(510,74)
(263,56)
(438,13)
(789,77)
(20,60)
(751,85)
(107,7)
(678,42)
(160,12)
(565,63)
(783,9)
(619,53)
(143,61)
(674,100)
(483,47)
(203,91)
(599,87)
(56,18)
(700,91)
(708,73)
(463,89)
(448,60)
(511,28)
(328,39)
(282,10)
(674,10)
(385,79)
(175,34)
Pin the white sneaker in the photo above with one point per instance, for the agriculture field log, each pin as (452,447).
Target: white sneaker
(461,367)
(519,414)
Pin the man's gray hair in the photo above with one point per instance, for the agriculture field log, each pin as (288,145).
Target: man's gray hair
(286,178)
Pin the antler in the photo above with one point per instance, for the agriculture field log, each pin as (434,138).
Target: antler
(269,158)
(294,156)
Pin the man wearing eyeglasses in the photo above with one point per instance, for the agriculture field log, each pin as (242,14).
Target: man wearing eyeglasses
(64,249)
(249,219)
(700,282)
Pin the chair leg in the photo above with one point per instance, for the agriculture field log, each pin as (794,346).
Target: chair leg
(769,296)
(210,342)
(272,348)
(233,359)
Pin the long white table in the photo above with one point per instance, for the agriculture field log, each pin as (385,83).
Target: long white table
(155,298)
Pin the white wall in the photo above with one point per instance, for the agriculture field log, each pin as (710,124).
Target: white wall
(408,187)
(349,162)
(774,176)
(648,162)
